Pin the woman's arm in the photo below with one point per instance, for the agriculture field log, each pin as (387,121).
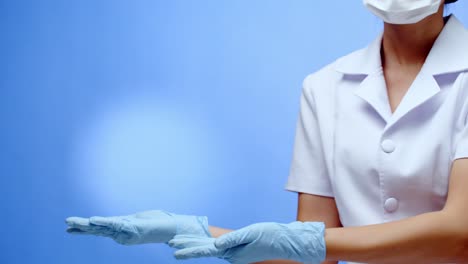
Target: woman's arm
(314,208)
(218,231)
(311,208)
(435,237)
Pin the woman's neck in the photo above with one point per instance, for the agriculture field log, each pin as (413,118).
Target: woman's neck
(409,45)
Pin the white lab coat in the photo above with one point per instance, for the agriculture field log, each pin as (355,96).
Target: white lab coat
(382,166)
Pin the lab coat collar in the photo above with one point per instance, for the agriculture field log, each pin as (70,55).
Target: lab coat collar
(362,62)
(449,53)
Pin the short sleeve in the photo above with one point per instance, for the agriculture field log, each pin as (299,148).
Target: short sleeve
(461,144)
(308,172)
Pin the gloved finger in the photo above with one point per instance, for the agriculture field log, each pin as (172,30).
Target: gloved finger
(233,239)
(152,214)
(190,241)
(116,226)
(197,252)
(99,231)
(102,221)
(75,221)
(81,223)
(76,231)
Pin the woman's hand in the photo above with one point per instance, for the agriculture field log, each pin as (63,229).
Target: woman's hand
(299,241)
(145,227)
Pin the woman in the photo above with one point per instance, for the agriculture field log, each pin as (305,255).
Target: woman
(380,159)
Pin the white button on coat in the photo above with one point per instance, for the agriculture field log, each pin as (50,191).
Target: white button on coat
(388,146)
(350,146)
(391,204)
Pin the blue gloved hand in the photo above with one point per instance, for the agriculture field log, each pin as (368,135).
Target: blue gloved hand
(299,241)
(145,227)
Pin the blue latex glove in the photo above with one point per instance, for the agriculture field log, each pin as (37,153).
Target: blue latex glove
(299,241)
(145,227)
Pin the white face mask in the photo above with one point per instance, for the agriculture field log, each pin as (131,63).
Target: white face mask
(402,11)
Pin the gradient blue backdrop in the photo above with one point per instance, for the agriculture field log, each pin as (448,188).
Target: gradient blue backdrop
(110,107)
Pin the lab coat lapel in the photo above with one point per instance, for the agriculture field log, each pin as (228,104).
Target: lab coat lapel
(366,64)
(448,55)
(423,88)
(373,90)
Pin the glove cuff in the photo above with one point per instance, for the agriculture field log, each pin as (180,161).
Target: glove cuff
(312,241)
(192,225)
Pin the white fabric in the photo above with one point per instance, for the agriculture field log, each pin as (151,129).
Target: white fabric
(382,166)
(403,11)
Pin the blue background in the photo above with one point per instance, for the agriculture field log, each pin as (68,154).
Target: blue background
(110,107)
